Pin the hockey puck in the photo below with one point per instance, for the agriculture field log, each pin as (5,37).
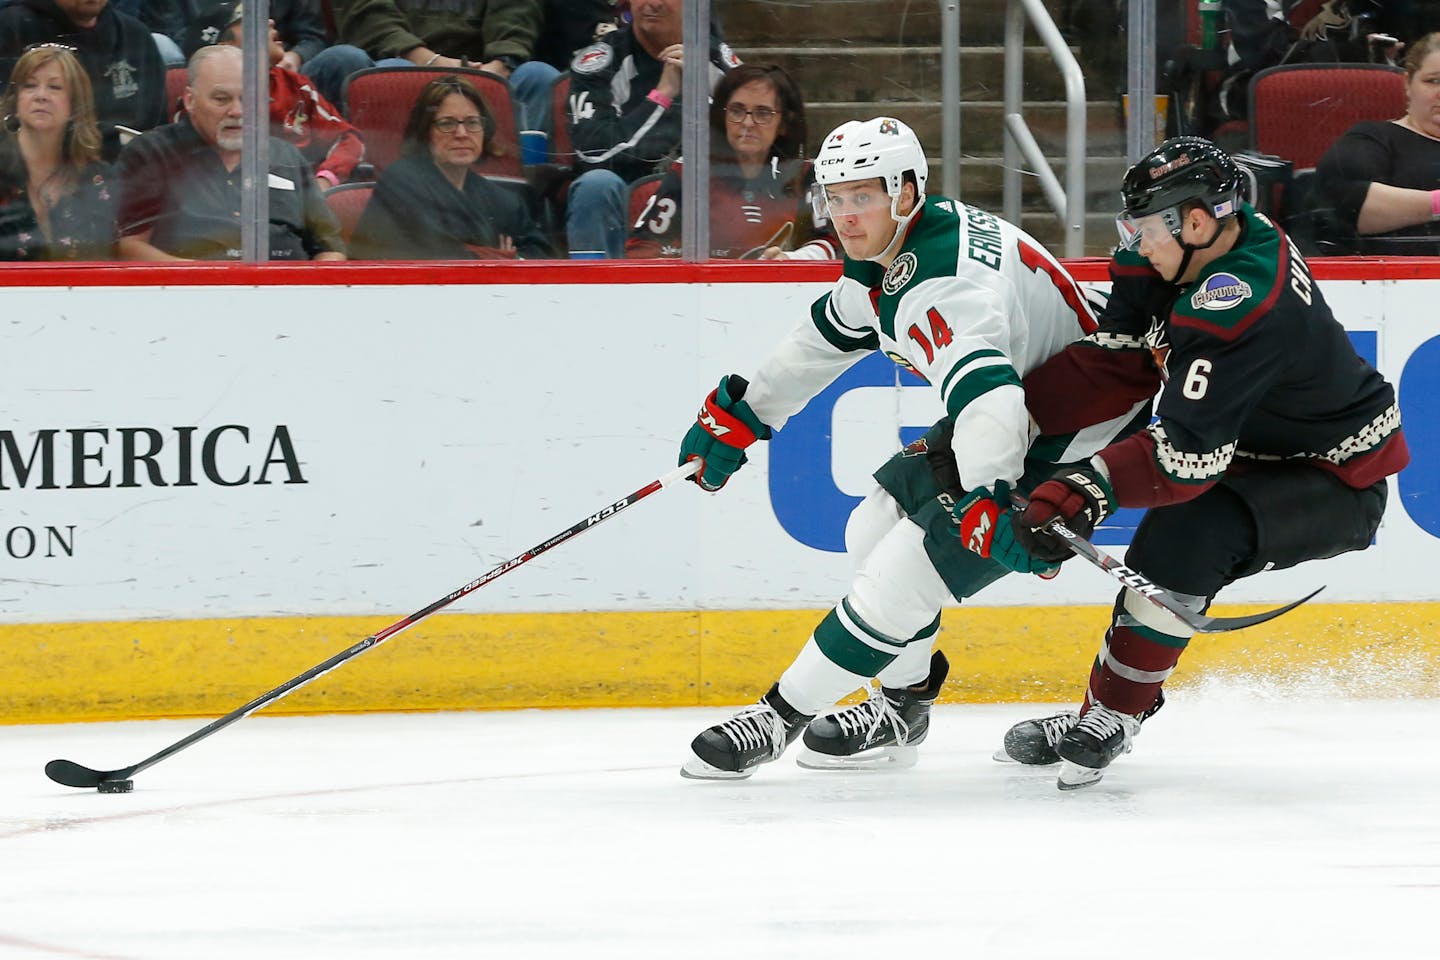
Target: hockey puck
(116,786)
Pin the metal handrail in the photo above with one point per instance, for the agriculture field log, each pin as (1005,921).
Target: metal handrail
(1069,202)
(950,97)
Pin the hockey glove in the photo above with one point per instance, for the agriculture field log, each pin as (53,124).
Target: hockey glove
(725,427)
(1079,497)
(983,524)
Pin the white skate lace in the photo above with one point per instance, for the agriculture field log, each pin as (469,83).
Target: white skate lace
(1057,726)
(869,716)
(758,725)
(1102,723)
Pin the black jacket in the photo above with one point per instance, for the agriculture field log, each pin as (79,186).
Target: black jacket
(417,214)
(612,122)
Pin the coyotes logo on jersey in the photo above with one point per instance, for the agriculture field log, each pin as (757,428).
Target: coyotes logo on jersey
(1159,345)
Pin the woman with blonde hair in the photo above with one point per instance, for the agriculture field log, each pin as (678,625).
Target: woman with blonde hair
(56,199)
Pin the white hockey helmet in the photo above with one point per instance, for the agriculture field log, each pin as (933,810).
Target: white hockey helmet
(864,149)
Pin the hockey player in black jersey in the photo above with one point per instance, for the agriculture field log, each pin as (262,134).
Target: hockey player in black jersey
(1271,445)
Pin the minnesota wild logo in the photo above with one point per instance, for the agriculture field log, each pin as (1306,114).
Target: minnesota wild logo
(900,273)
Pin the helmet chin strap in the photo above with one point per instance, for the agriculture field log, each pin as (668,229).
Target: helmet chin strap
(1190,249)
(901,225)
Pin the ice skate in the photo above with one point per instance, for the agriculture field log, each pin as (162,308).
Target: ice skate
(1032,742)
(1087,749)
(757,734)
(880,733)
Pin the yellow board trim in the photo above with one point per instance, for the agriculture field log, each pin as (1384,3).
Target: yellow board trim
(129,670)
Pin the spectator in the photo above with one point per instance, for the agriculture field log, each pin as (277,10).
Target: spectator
(569,26)
(181,182)
(56,199)
(116,51)
(166,20)
(305,34)
(1383,177)
(431,204)
(494,35)
(572,24)
(625,119)
(760,186)
(298,112)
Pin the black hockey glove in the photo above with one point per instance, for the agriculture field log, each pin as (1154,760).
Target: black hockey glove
(1079,497)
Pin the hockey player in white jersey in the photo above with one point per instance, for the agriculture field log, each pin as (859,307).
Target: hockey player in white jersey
(971,304)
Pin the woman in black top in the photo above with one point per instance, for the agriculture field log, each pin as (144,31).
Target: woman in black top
(431,204)
(56,199)
(1382,178)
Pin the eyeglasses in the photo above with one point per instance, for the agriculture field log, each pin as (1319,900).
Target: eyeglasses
(448,124)
(763,116)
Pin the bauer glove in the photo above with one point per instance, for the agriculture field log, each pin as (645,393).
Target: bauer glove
(983,522)
(1079,497)
(724,428)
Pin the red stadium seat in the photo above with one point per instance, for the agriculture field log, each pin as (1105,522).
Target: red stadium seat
(1297,111)
(347,202)
(176,79)
(378,101)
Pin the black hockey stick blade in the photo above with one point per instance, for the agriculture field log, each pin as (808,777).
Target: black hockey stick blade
(1158,595)
(72,774)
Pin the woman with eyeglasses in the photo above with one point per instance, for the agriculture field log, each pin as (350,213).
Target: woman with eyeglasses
(431,204)
(760,183)
(56,199)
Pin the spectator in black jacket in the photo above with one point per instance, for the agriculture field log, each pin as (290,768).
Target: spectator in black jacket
(431,204)
(116,50)
(625,119)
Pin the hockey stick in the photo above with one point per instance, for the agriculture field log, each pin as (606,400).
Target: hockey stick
(1153,592)
(72,774)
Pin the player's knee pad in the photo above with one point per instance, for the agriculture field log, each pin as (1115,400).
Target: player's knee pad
(871,519)
(897,590)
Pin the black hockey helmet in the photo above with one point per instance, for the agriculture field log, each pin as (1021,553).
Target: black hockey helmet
(1179,171)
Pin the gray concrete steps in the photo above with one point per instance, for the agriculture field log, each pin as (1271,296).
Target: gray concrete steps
(892,73)
(763,22)
(981,132)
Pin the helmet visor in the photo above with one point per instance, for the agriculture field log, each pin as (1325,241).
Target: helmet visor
(847,199)
(1152,228)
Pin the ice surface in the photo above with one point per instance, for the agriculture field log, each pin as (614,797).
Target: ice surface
(1242,826)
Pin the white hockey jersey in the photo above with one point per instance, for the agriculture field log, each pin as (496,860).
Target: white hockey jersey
(971,303)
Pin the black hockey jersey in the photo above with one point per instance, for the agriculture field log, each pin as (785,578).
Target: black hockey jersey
(1249,363)
(612,122)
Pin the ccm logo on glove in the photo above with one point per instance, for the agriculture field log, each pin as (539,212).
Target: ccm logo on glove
(723,428)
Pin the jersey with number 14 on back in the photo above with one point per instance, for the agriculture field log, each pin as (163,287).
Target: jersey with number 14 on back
(971,304)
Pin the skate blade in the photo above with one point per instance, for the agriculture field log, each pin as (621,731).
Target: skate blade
(697,769)
(1000,756)
(1075,777)
(881,758)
